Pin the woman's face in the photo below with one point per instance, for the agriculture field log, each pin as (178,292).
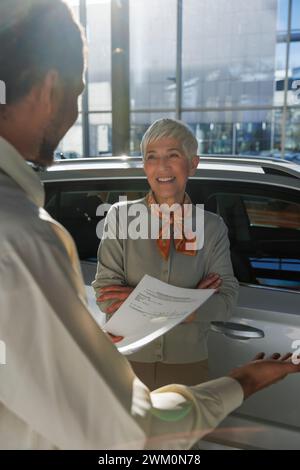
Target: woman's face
(167,169)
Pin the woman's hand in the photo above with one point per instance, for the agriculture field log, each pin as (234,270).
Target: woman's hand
(212,281)
(117,293)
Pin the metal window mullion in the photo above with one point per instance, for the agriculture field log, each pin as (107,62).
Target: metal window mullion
(179,60)
(85,96)
(234,136)
(120,77)
(286,82)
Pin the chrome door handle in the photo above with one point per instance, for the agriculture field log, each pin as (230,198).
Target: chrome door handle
(236,330)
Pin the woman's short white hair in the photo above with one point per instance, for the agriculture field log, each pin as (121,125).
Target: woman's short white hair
(173,128)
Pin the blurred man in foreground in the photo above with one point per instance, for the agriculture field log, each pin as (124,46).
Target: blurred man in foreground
(65,386)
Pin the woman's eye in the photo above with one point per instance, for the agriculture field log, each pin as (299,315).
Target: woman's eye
(150,157)
(174,155)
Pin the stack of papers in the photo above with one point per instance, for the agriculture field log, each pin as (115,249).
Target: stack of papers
(152,309)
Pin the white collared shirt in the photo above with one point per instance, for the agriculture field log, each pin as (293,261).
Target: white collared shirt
(64,384)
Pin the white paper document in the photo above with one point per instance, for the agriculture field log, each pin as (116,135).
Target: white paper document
(152,309)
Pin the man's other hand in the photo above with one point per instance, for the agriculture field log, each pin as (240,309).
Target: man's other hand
(262,372)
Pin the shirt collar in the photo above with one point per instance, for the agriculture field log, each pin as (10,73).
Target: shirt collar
(15,166)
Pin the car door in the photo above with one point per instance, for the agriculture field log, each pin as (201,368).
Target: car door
(264,229)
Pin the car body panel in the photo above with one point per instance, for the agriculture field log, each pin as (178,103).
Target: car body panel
(277,313)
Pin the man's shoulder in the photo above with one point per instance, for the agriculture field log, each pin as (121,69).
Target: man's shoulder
(25,223)
(16,209)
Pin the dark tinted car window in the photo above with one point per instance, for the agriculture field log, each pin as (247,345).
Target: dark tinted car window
(264,234)
(76,210)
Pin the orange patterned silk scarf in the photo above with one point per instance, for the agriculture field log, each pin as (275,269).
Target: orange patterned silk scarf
(175,218)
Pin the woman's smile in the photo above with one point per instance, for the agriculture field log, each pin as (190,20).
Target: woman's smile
(166,180)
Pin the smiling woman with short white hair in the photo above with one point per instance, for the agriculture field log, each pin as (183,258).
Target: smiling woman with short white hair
(169,150)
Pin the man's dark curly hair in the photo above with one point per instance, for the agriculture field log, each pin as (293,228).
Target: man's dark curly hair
(37,36)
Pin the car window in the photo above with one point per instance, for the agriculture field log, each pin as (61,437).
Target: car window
(51,203)
(264,234)
(76,210)
(271,212)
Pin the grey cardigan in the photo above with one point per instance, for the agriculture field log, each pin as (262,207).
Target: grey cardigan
(126,261)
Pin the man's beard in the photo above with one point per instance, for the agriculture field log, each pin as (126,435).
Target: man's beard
(46,153)
(53,134)
(50,141)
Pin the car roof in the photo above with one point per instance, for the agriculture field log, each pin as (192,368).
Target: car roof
(129,167)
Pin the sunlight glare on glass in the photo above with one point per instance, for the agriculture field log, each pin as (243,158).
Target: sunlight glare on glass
(97,2)
(75,3)
(72,3)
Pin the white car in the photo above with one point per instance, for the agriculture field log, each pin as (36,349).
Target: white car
(260,203)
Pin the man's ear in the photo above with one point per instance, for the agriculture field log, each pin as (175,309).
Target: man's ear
(194,164)
(50,92)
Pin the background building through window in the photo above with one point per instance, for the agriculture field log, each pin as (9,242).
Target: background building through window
(226,67)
